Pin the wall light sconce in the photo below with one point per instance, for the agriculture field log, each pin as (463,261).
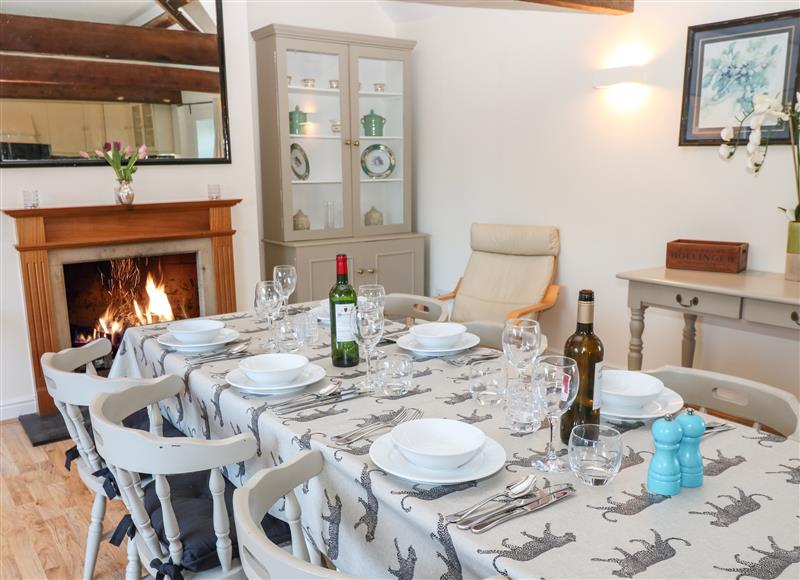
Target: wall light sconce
(625,87)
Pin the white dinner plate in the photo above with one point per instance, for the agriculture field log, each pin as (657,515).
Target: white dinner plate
(668,401)
(488,461)
(225,336)
(408,342)
(311,375)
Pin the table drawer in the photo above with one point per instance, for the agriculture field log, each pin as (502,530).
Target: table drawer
(772,313)
(685,300)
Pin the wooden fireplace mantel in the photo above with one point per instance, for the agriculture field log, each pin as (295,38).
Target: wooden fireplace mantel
(43,229)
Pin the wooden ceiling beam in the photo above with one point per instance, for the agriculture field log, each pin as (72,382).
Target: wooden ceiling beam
(37,35)
(614,7)
(177,15)
(165,19)
(32,69)
(83,92)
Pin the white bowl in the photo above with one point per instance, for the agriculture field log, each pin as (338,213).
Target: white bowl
(195,331)
(438,444)
(273,369)
(628,389)
(438,334)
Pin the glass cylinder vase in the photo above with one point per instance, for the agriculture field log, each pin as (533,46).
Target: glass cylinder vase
(123,192)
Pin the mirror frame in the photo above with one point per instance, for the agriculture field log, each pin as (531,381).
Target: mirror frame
(223,92)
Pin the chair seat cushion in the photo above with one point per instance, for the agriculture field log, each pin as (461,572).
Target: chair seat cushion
(193,505)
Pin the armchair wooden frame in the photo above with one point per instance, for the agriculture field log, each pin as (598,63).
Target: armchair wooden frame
(549,300)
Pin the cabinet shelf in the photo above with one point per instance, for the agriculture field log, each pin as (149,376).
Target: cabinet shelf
(314,90)
(379,95)
(316,181)
(331,137)
(382,180)
(382,138)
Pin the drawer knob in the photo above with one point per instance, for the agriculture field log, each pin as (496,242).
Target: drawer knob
(370,270)
(360,271)
(347,141)
(795,317)
(693,302)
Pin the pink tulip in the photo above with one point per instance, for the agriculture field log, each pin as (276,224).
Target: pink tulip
(99,153)
(143,151)
(117,145)
(128,151)
(84,154)
(106,146)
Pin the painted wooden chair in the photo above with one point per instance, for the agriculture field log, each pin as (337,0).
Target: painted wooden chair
(261,558)
(735,398)
(72,391)
(509,274)
(183,521)
(410,306)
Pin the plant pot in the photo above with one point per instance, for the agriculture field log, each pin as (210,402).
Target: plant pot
(123,192)
(793,252)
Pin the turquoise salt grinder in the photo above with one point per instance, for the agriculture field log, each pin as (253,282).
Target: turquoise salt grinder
(664,474)
(689,456)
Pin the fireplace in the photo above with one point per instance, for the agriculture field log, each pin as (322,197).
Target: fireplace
(105,297)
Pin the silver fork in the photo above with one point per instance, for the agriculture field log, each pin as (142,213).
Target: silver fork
(361,432)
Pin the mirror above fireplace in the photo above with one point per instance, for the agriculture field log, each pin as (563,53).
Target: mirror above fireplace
(75,75)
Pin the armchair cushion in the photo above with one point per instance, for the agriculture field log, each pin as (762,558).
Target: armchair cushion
(192,501)
(515,240)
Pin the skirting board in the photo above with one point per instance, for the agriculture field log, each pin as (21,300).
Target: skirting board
(13,409)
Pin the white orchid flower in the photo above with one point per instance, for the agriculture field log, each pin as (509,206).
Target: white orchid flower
(755,138)
(726,133)
(756,121)
(797,102)
(755,161)
(761,103)
(725,151)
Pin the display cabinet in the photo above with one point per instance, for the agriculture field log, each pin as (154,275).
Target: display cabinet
(335,136)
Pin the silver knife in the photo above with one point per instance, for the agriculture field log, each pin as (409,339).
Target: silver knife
(530,507)
(508,506)
(314,404)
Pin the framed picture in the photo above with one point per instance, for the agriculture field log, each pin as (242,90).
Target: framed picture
(729,62)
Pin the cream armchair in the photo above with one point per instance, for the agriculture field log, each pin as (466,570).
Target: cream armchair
(509,274)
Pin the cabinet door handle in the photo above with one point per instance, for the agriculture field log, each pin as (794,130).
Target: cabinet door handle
(693,302)
(370,270)
(795,317)
(347,142)
(356,143)
(359,270)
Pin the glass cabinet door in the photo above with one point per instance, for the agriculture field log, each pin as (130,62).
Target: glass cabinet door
(316,174)
(381,141)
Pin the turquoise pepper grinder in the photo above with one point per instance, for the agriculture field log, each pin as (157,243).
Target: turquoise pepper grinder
(689,452)
(664,474)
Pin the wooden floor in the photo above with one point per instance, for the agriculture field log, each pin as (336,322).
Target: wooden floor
(44,512)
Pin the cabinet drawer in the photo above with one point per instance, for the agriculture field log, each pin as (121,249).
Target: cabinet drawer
(684,300)
(772,313)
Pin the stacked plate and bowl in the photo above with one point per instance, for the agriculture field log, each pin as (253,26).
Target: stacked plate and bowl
(197,335)
(274,374)
(438,339)
(437,451)
(632,395)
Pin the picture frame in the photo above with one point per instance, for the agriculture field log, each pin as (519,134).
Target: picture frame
(764,52)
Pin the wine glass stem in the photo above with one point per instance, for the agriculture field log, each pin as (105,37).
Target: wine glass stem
(369,368)
(551,450)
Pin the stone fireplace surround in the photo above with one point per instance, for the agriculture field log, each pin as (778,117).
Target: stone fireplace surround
(48,238)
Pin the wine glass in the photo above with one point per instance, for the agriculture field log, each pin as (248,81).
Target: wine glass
(522,340)
(268,301)
(555,380)
(286,276)
(595,453)
(367,324)
(372,293)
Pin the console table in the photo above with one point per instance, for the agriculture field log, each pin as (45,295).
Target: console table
(760,297)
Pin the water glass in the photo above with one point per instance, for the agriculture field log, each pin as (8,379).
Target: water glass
(310,326)
(214,191)
(30,198)
(395,372)
(290,333)
(595,453)
(487,382)
(367,325)
(374,293)
(555,382)
(286,276)
(523,410)
(522,339)
(268,301)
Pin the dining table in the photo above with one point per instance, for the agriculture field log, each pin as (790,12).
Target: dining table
(744,521)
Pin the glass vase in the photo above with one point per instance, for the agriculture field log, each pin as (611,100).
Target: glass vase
(123,192)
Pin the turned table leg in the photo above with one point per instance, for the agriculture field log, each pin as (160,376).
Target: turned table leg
(636,344)
(688,342)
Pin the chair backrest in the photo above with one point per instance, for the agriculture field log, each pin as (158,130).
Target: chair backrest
(510,267)
(261,559)
(490,333)
(734,396)
(129,452)
(404,306)
(71,391)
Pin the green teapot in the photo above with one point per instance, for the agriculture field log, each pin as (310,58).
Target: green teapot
(297,120)
(373,124)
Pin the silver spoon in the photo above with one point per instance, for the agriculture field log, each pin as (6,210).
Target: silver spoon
(234,350)
(515,489)
(330,389)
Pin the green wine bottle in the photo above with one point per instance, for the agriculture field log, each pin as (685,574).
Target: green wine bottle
(342,298)
(585,347)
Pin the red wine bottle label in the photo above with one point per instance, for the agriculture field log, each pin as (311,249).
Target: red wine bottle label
(598,377)
(344,330)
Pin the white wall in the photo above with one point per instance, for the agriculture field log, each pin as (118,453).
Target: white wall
(82,186)
(509,130)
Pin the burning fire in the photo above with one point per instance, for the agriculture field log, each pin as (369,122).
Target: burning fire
(124,308)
